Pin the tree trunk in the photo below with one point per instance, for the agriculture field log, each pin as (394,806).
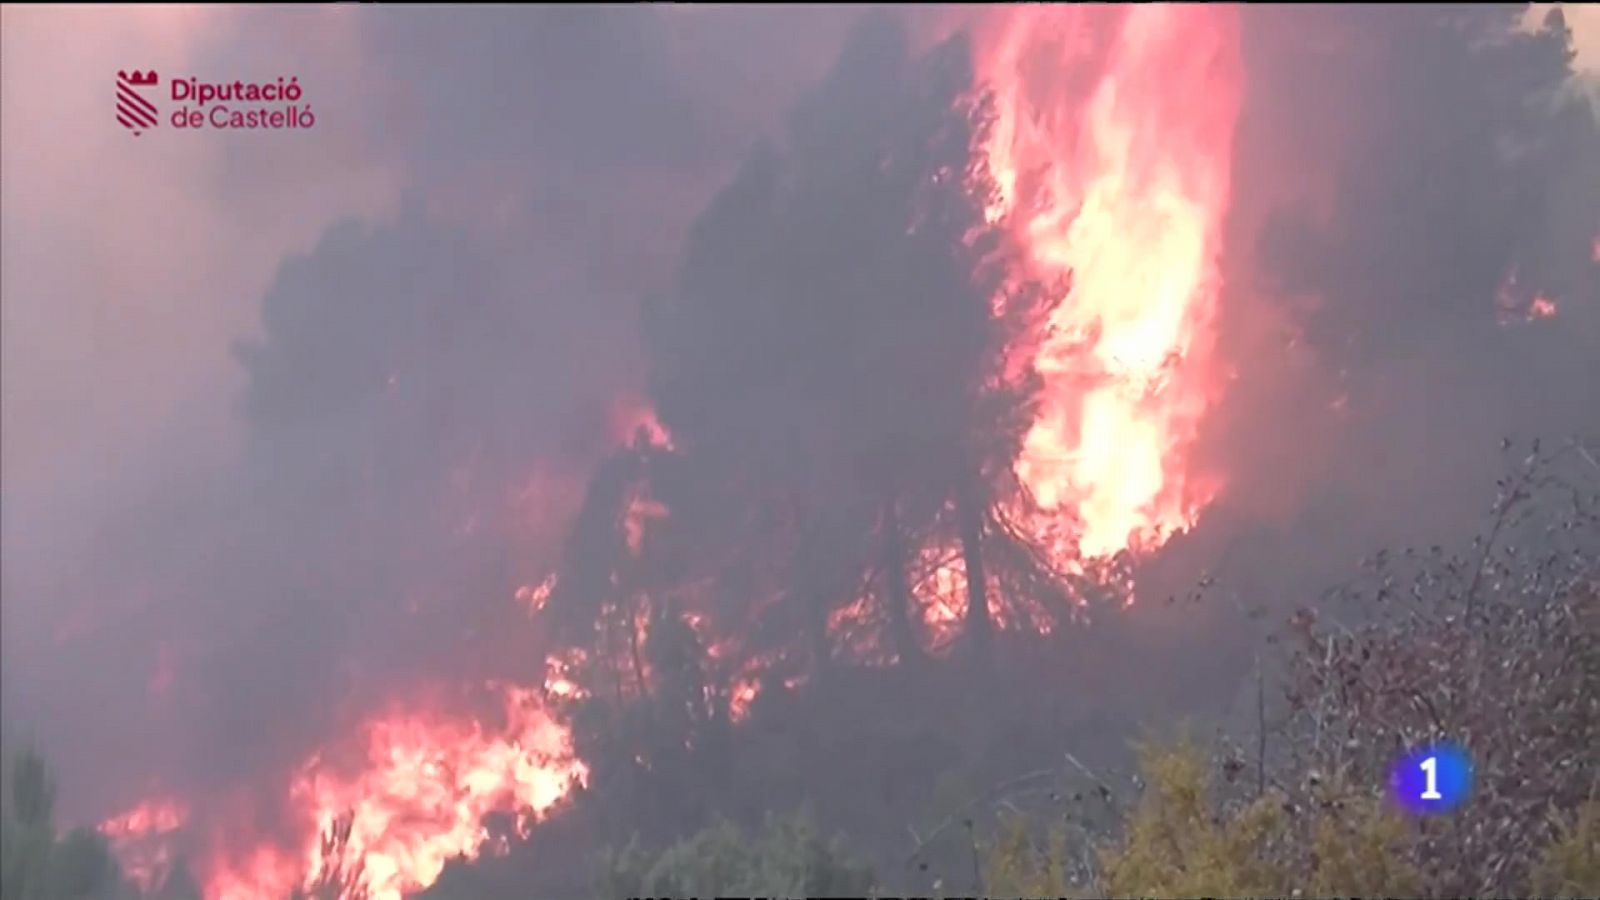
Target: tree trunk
(969,516)
(897,594)
(636,650)
(812,579)
(821,646)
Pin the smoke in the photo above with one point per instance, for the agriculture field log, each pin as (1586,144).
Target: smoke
(307,511)
(1410,184)
(293,450)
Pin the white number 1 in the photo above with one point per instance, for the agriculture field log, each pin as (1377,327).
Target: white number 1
(1431,767)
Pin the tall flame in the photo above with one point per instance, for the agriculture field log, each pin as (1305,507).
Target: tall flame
(1111,152)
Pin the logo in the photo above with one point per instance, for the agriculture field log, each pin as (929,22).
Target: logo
(133,110)
(220,106)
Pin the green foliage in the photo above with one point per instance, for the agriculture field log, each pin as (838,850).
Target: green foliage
(1178,845)
(1013,866)
(1571,865)
(1361,849)
(1184,839)
(787,858)
(36,863)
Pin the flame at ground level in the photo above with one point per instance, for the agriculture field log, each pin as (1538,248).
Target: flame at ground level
(415,794)
(1111,154)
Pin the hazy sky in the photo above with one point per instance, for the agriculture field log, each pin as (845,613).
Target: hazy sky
(131,263)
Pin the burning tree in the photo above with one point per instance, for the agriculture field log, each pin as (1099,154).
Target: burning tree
(834,367)
(851,365)
(831,351)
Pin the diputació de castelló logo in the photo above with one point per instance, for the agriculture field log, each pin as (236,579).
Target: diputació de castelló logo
(200,105)
(135,111)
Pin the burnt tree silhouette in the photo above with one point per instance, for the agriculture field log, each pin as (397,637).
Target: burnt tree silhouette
(830,345)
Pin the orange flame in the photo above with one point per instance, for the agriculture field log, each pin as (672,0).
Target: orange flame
(429,782)
(140,838)
(1514,304)
(266,871)
(1111,152)
(417,798)
(153,816)
(642,509)
(535,596)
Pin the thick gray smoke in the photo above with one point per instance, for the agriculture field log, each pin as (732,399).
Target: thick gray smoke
(1409,183)
(420,407)
(428,392)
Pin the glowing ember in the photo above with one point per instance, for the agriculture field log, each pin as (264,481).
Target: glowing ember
(854,628)
(744,693)
(1111,150)
(747,687)
(558,681)
(534,596)
(152,816)
(1513,303)
(642,509)
(941,593)
(140,838)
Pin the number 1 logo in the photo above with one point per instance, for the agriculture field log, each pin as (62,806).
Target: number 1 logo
(1430,768)
(1433,779)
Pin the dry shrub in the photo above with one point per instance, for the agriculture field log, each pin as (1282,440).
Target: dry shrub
(1496,648)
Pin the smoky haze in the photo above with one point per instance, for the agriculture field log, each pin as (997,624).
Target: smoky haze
(260,484)
(462,351)
(1386,254)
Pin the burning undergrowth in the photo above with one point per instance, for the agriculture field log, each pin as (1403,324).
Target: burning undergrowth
(413,786)
(992,333)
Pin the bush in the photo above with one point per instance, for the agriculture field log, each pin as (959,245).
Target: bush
(1015,867)
(786,859)
(1184,838)
(1497,648)
(1571,865)
(1177,843)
